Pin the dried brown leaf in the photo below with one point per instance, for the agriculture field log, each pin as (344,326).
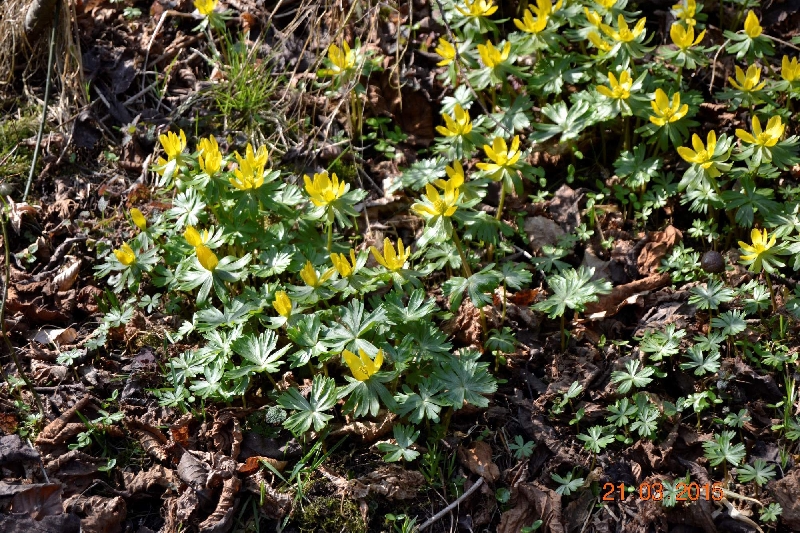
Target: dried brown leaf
(38,501)
(146,480)
(533,502)
(391,481)
(152,440)
(221,517)
(98,514)
(67,277)
(478,458)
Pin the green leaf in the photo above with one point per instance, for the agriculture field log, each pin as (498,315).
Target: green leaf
(632,376)
(310,412)
(466,380)
(260,351)
(573,289)
(404,437)
(477,285)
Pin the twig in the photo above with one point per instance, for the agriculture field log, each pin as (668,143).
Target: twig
(452,506)
(714,64)
(47,84)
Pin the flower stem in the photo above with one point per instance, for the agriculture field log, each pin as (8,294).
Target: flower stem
(771,292)
(468,273)
(330,236)
(500,204)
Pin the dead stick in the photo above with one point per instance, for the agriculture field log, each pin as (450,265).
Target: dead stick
(453,505)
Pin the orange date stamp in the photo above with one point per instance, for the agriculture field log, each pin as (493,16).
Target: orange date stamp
(683,492)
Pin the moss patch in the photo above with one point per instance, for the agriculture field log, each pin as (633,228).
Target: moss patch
(330,514)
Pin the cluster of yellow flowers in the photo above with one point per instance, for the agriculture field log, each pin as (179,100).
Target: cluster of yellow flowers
(250,172)
(535,18)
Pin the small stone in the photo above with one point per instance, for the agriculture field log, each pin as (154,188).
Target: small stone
(712,262)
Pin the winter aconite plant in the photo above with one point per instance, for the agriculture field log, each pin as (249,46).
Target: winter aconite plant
(288,295)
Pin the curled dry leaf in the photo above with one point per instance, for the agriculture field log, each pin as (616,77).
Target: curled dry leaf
(658,245)
(368,431)
(55,336)
(253,464)
(391,481)
(478,458)
(226,434)
(67,277)
(17,210)
(787,494)
(60,429)
(98,514)
(532,502)
(153,442)
(13,450)
(179,431)
(275,504)
(38,500)
(221,517)
(146,480)
(193,471)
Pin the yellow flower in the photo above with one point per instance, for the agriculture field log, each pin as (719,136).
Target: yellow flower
(477,8)
(282,304)
(768,137)
(491,56)
(761,243)
(437,205)
(310,277)
(138,219)
(210,156)
(598,42)
(362,367)
(790,70)
(390,259)
(194,238)
(458,127)
(341,60)
(207,258)
(701,155)
(205,7)
(125,254)
(593,18)
(748,82)
(607,4)
(342,266)
(173,144)
(324,190)
(751,26)
(666,113)
(684,37)
(502,158)
(685,11)
(456,175)
(528,24)
(250,172)
(624,34)
(446,51)
(545,8)
(617,89)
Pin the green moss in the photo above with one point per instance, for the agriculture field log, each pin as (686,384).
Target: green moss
(14,128)
(330,514)
(345,170)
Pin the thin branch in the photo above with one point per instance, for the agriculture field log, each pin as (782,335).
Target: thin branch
(453,505)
